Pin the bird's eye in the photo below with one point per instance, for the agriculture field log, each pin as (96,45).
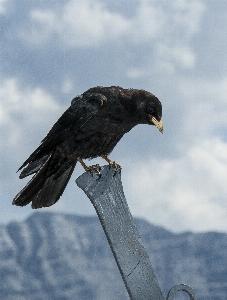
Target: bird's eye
(150,110)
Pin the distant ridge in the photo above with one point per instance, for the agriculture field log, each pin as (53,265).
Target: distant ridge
(57,256)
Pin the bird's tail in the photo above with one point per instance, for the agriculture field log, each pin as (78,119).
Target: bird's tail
(41,190)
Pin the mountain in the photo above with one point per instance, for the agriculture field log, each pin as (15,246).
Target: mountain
(56,256)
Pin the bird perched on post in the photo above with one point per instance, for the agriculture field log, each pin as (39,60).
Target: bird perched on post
(91,127)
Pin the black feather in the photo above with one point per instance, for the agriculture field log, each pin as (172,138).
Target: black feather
(43,191)
(90,127)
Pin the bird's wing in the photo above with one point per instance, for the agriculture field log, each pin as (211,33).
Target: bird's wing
(82,109)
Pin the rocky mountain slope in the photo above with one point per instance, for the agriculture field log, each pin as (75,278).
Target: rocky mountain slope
(56,256)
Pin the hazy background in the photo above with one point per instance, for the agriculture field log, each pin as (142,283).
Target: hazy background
(52,51)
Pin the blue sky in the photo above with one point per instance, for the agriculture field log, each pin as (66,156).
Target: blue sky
(52,51)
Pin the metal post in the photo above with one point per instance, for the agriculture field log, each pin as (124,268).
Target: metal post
(106,194)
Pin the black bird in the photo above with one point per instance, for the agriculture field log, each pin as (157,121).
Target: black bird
(90,127)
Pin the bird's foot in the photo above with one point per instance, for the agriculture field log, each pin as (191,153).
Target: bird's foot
(112,163)
(92,169)
(115,165)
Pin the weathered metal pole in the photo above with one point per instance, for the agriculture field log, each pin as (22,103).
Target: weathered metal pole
(107,196)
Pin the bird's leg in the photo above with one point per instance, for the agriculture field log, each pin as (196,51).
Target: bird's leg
(111,162)
(93,168)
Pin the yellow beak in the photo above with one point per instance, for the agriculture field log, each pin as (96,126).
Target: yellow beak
(158,124)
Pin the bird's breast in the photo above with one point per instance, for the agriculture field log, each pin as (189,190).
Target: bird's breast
(97,138)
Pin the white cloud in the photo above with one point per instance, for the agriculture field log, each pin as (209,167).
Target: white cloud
(78,24)
(23,111)
(89,23)
(67,86)
(177,56)
(147,24)
(3,4)
(188,192)
(205,107)
(137,72)
(167,29)
(187,15)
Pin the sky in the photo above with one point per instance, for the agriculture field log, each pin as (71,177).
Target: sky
(52,51)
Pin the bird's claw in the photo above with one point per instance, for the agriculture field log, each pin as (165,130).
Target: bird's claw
(94,169)
(116,166)
(111,163)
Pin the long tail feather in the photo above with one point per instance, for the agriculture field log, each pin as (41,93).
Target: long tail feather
(33,167)
(43,191)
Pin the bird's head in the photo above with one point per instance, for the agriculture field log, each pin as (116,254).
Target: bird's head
(147,109)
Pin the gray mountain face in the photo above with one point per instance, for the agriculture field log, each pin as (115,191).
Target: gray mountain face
(55,256)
